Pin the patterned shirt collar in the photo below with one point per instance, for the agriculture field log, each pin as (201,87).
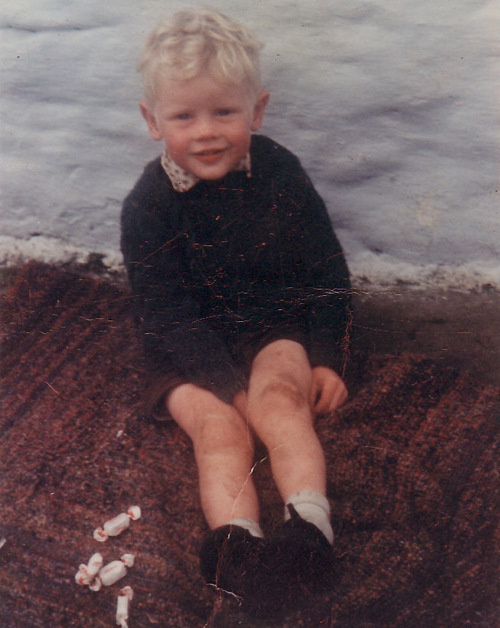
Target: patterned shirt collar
(182,181)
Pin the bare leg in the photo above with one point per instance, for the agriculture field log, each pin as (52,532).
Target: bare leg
(299,553)
(223,449)
(279,411)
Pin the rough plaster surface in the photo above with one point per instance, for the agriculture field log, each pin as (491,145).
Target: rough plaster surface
(391,106)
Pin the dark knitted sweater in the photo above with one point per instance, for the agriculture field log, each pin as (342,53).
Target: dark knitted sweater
(233,258)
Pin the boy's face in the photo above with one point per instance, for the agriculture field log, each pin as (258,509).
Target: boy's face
(206,125)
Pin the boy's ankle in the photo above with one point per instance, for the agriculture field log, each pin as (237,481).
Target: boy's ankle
(248,524)
(313,507)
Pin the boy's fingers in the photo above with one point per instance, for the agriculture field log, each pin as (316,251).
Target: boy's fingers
(323,398)
(331,396)
(322,405)
(342,394)
(340,397)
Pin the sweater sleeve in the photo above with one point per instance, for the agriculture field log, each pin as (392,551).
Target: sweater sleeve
(179,344)
(319,267)
(330,308)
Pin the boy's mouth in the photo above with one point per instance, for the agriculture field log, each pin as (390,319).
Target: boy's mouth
(209,155)
(205,153)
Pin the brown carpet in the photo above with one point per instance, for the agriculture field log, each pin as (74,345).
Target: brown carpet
(412,479)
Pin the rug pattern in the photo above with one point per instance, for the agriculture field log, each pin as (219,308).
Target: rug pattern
(412,476)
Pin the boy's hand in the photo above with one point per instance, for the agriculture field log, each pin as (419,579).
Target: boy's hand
(328,391)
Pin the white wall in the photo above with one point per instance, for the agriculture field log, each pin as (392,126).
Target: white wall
(392,106)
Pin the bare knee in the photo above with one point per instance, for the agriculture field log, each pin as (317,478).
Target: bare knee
(283,391)
(212,425)
(281,376)
(216,435)
(278,409)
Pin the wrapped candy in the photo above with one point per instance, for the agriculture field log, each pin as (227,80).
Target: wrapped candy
(112,572)
(96,575)
(87,573)
(128,560)
(122,607)
(96,585)
(116,570)
(117,525)
(134,512)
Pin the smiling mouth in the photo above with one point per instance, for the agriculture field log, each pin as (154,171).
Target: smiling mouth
(209,153)
(209,156)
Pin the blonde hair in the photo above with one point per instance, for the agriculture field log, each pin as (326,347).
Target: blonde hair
(196,41)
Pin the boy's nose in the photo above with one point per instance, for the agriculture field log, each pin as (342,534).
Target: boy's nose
(205,129)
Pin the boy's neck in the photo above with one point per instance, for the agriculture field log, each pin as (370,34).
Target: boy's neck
(182,180)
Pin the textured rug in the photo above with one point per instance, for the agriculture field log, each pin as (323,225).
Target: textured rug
(412,478)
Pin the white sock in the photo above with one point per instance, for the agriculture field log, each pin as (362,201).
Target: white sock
(314,508)
(249,524)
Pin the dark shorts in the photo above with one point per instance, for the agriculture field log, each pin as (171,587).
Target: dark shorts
(243,344)
(247,345)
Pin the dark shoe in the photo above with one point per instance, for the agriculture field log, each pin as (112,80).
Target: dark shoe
(301,557)
(229,559)
(235,562)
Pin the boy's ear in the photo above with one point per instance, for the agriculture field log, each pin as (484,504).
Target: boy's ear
(150,118)
(259,109)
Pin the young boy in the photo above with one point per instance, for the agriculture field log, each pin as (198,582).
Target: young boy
(243,297)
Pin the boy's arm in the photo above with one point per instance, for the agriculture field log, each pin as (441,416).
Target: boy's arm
(323,273)
(177,340)
(310,255)
(329,314)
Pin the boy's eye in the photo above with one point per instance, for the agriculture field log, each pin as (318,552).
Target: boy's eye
(224,112)
(183,116)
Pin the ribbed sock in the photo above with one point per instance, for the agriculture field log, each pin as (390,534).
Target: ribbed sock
(249,524)
(314,508)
